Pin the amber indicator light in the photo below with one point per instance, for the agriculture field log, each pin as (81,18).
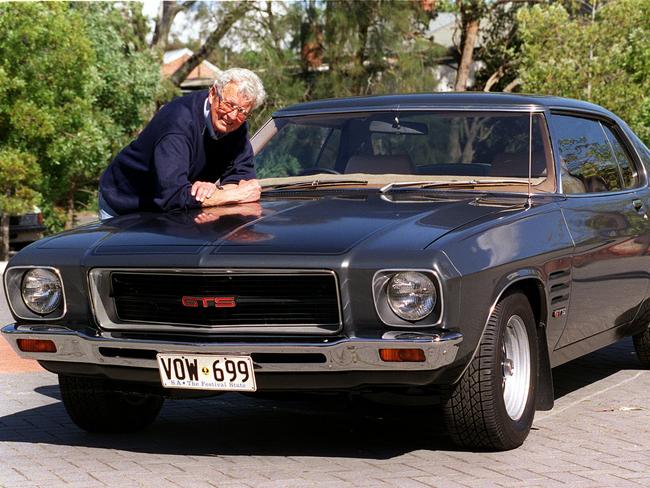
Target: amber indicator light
(402,355)
(36,345)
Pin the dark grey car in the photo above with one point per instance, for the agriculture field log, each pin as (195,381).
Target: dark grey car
(457,243)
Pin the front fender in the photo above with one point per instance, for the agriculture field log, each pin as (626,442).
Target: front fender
(496,255)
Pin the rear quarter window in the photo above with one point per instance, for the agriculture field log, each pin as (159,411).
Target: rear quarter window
(642,149)
(628,171)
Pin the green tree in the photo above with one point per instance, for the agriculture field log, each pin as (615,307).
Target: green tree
(270,41)
(227,14)
(47,60)
(19,178)
(376,47)
(570,54)
(313,49)
(75,88)
(127,70)
(499,49)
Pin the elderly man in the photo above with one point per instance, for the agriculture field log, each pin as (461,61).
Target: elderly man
(194,152)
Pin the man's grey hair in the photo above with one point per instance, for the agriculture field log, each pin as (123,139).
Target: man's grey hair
(248,83)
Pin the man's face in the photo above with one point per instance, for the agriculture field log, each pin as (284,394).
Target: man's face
(228,109)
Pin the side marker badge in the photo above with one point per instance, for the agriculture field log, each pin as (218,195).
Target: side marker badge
(557,313)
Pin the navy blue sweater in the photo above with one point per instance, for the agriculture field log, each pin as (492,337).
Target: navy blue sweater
(156,171)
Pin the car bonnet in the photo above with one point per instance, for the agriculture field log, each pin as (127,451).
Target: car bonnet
(311,225)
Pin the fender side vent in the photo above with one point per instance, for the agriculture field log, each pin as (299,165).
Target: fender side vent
(559,286)
(556,275)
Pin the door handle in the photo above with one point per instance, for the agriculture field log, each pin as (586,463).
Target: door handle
(638,204)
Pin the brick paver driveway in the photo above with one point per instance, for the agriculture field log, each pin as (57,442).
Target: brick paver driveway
(598,435)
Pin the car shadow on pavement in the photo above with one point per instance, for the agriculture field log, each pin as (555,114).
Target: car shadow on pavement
(296,425)
(233,424)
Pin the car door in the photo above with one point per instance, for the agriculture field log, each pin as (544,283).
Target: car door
(606,213)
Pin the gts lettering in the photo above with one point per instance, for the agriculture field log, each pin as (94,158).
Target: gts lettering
(205,302)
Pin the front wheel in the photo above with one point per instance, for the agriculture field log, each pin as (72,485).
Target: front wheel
(493,404)
(97,405)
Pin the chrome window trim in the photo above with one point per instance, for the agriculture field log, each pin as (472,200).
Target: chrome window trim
(105,321)
(36,316)
(411,108)
(601,194)
(407,325)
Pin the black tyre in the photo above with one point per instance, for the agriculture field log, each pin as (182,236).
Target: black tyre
(97,405)
(642,347)
(493,404)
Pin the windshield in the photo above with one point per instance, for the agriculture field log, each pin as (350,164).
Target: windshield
(481,147)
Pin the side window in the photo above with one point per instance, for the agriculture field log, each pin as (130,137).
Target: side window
(587,161)
(628,172)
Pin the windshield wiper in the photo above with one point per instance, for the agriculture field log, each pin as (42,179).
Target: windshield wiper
(442,184)
(313,184)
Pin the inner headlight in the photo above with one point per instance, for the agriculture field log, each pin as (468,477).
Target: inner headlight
(411,295)
(41,290)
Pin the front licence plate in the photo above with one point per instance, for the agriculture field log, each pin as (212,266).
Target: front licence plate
(201,372)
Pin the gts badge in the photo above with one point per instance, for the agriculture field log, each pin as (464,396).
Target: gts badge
(209,302)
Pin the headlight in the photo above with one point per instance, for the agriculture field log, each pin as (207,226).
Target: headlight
(411,295)
(41,290)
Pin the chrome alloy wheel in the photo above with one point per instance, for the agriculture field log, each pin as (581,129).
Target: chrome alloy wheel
(515,367)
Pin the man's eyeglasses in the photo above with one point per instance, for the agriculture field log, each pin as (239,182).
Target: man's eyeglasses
(228,107)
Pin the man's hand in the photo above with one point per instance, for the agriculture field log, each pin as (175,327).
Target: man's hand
(249,191)
(246,191)
(203,190)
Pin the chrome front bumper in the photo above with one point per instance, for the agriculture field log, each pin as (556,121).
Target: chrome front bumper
(349,354)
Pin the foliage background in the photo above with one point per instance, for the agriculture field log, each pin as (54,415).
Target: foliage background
(74,88)
(584,57)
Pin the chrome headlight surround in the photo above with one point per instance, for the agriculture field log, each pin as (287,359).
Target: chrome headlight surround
(414,285)
(17,281)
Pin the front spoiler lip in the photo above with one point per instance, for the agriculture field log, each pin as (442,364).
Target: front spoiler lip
(349,354)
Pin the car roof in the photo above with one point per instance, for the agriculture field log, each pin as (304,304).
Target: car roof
(440,101)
